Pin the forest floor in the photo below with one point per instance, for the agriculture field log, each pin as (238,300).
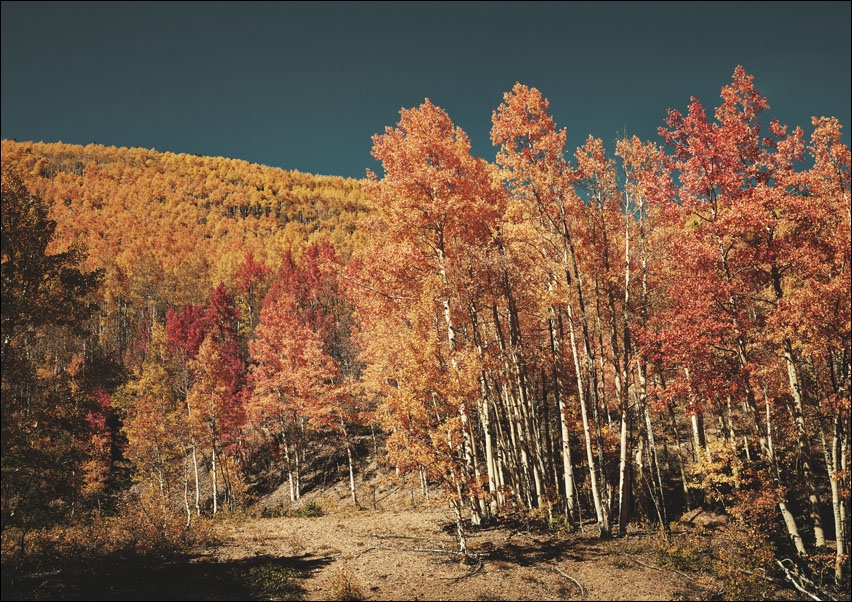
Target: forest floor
(397,545)
(406,552)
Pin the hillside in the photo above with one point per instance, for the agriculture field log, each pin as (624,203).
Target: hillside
(167,228)
(581,349)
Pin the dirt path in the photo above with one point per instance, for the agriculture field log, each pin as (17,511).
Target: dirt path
(407,555)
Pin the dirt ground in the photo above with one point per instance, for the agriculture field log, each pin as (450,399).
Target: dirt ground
(395,545)
(401,548)
(389,556)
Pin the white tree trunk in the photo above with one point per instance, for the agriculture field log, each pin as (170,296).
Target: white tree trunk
(197,484)
(802,441)
(351,475)
(186,489)
(215,479)
(600,511)
(832,462)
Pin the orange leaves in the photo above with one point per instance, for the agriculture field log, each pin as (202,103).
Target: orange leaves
(153,418)
(487,295)
(432,186)
(531,150)
(166,227)
(437,212)
(648,181)
(209,399)
(524,130)
(299,348)
(289,362)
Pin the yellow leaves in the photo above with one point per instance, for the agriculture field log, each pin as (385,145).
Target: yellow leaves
(719,473)
(157,221)
(95,474)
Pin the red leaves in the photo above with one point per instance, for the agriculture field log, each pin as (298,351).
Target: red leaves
(250,274)
(294,376)
(749,264)
(185,330)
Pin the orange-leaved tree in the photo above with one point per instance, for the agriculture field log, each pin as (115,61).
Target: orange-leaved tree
(754,237)
(300,363)
(434,210)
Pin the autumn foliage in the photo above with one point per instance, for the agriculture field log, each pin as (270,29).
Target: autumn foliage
(615,335)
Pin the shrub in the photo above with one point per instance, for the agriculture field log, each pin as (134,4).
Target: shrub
(270,581)
(686,552)
(743,560)
(344,586)
(310,510)
(278,511)
(141,534)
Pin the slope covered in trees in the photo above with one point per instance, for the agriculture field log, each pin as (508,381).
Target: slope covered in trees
(168,228)
(623,334)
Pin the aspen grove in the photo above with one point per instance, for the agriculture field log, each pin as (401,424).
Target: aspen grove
(606,335)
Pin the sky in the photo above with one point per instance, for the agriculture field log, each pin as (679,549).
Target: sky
(305,85)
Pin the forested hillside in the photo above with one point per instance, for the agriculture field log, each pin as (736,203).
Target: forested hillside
(619,333)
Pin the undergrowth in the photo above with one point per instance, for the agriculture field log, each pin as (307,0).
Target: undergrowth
(344,585)
(270,581)
(310,510)
(136,538)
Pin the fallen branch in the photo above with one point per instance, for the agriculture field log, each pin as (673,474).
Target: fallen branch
(442,549)
(431,550)
(792,579)
(377,536)
(567,576)
(364,552)
(468,574)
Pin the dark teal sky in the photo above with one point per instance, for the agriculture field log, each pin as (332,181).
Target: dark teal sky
(304,85)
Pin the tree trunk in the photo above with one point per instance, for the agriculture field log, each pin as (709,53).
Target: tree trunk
(680,458)
(186,490)
(215,491)
(567,464)
(197,485)
(600,511)
(292,462)
(623,475)
(832,461)
(802,442)
(460,537)
(654,460)
(789,519)
(623,385)
(654,468)
(469,467)
(351,474)
(570,261)
(699,438)
(490,464)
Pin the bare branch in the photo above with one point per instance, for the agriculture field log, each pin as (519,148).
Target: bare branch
(792,579)
(577,583)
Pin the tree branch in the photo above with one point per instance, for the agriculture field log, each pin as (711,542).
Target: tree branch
(577,583)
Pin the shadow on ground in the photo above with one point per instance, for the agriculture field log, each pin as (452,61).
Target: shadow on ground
(188,578)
